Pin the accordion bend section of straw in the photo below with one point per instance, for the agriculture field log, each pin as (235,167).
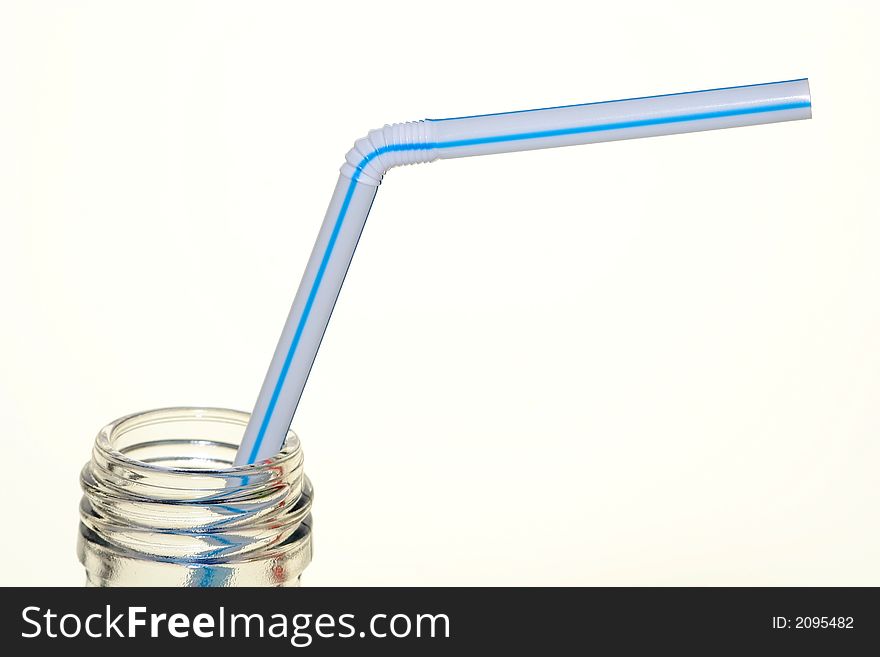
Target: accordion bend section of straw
(428,140)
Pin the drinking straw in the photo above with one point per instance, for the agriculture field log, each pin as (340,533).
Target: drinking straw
(432,139)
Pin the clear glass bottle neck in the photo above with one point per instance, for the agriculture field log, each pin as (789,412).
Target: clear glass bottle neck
(163,505)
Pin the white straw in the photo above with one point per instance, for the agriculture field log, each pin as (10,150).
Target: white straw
(425,141)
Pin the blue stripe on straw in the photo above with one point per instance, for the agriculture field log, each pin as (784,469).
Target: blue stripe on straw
(623,125)
(610,102)
(542,134)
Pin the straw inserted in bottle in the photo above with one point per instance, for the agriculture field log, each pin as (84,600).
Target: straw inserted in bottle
(428,140)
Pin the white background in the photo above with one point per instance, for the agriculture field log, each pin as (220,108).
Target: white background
(644,362)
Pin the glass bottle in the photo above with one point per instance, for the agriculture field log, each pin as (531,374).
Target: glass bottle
(163,505)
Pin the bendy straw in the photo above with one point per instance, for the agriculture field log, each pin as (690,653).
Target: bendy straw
(432,139)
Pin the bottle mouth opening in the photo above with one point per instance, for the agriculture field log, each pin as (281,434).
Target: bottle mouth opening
(186,454)
(186,441)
